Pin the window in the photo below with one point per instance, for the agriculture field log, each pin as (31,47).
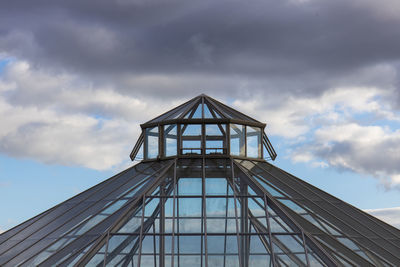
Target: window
(151,143)
(237,142)
(253,142)
(191,139)
(215,139)
(170,140)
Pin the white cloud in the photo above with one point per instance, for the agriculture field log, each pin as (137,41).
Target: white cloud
(370,150)
(292,116)
(324,130)
(61,119)
(388,215)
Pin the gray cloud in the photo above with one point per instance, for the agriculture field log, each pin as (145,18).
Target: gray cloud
(315,43)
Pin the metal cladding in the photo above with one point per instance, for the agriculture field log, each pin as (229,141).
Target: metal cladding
(202,209)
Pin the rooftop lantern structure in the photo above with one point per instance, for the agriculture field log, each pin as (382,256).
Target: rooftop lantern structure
(204,195)
(203,127)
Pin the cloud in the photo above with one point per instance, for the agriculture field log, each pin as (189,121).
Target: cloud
(388,215)
(359,148)
(297,47)
(291,116)
(62,119)
(330,130)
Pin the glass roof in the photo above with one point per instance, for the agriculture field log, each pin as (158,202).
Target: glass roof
(202,212)
(202,107)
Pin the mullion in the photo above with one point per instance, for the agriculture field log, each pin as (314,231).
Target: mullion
(141,230)
(226,221)
(173,217)
(231,183)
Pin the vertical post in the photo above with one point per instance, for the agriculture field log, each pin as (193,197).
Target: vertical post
(204,211)
(177,223)
(154,245)
(260,144)
(226,218)
(232,184)
(228,138)
(161,152)
(244,225)
(141,230)
(203,139)
(245,139)
(162,225)
(145,144)
(179,137)
(173,217)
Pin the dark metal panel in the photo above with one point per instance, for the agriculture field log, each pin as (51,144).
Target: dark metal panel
(330,211)
(235,113)
(180,108)
(270,149)
(206,120)
(137,146)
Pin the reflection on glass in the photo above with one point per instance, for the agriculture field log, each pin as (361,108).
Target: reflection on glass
(215,138)
(191,147)
(151,142)
(253,142)
(191,130)
(191,139)
(170,140)
(237,140)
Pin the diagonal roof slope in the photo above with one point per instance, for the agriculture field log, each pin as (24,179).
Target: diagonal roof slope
(203,107)
(224,212)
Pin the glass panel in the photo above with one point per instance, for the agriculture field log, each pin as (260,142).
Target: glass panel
(170,140)
(207,113)
(191,130)
(191,139)
(215,129)
(237,142)
(191,147)
(215,138)
(216,186)
(214,147)
(151,141)
(197,114)
(189,207)
(189,186)
(253,142)
(189,225)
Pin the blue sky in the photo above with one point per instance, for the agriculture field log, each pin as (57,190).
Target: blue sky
(77,79)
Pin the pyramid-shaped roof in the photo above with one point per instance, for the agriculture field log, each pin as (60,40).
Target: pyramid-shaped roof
(202,211)
(200,108)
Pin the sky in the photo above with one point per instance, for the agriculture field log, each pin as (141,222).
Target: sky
(78,77)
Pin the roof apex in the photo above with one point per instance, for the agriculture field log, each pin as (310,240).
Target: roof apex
(202,107)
